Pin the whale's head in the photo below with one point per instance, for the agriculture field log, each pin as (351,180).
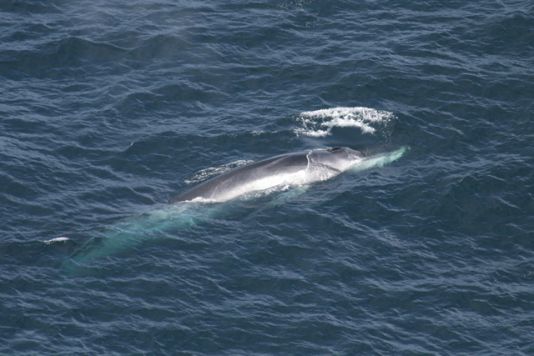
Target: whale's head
(336,158)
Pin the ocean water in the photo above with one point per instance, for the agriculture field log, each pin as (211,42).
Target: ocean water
(109,109)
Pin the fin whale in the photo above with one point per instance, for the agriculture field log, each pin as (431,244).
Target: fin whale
(286,170)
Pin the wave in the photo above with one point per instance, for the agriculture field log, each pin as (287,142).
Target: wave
(56,240)
(319,123)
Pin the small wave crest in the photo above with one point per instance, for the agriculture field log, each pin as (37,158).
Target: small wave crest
(319,123)
(206,173)
(56,240)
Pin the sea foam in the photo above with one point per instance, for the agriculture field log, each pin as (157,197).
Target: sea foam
(56,240)
(319,123)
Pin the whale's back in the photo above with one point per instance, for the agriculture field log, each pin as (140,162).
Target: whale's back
(222,186)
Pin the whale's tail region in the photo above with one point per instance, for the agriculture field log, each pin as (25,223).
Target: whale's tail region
(133,231)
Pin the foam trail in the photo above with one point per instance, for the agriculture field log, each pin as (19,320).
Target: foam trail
(319,123)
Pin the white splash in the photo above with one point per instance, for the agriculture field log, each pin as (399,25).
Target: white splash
(319,123)
(56,240)
(206,173)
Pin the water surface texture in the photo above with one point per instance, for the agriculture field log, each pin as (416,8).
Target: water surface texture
(109,109)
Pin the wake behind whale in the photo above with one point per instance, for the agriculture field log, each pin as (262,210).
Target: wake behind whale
(203,200)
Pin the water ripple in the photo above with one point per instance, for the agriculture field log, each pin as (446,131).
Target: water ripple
(107,110)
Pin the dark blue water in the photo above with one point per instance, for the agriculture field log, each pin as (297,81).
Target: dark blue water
(109,109)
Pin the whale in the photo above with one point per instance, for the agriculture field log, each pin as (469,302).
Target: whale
(282,171)
(205,200)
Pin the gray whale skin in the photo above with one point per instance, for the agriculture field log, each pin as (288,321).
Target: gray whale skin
(289,169)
